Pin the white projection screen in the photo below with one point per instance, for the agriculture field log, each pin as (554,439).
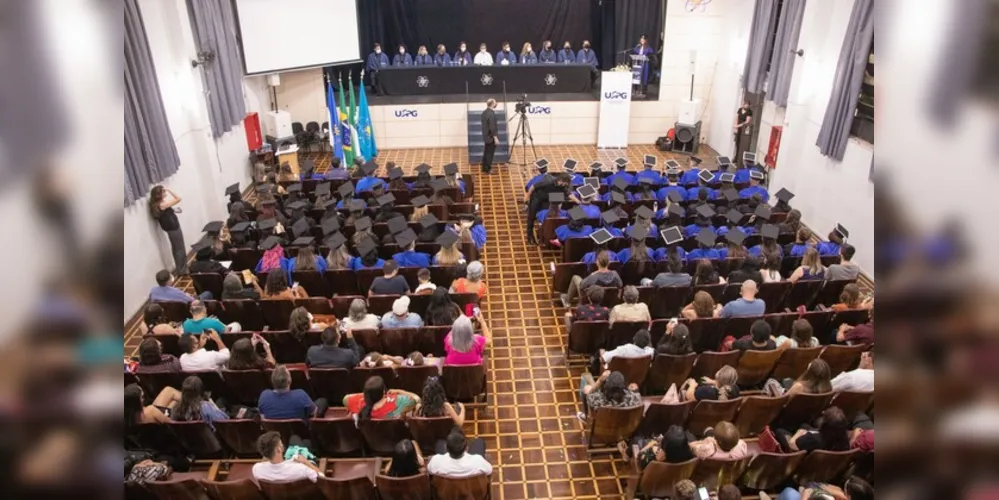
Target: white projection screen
(288,35)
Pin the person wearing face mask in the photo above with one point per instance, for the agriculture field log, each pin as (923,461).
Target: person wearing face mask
(423,58)
(441,58)
(505,57)
(402,58)
(527,55)
(462,57)
(483,58)
(547,55)
(377,60)
(566,55)
(587,56)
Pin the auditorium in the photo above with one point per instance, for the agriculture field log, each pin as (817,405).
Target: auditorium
(503,249)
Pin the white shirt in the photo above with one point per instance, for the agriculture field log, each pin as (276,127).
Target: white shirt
(483,59)
(203,360)
(859,380)
(289,470)
(628,351)
(425,286)
(467,466)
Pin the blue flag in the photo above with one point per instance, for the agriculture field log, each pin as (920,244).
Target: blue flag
(336,140)
(365,132)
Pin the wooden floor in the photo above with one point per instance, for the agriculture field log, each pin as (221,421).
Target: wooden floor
(533,438)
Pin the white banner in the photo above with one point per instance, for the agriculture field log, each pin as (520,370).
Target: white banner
(615,109)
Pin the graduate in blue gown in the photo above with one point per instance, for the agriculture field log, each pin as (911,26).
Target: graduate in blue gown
(646,190)
(638,251)
(369,256)
(441,57)
(307,251)
(409,257)
(703,192)
(555,201)
(566,55)
(643,218)
(742,175)
(527,55)
(336,171)
(617,194)
(576,179)
(506,57)
(590,258)
(706,246)
(733,248)
(451,176)
(273,251)
(586,204)
(832,247)
(462,57)
(648,172)
(587,55)
(703,221)
(542,169)
(402,58)
(471,230)
(376,60)
(576,228)
(735,219)
(643,49)
(602,237)
(769,245)
(756,177)
(547,54)
(723,168)
(797,249)
(689,178)
(423,58)
(672,185)
(663,254)
(369,182)
(620,164)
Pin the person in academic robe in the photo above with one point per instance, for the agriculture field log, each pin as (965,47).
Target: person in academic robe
(547,54)
(402,58)
(621,173)
(643,49)
(586,204)
(756,177)
(423,58)
(441,58)
(566,55)
(702,222)
(527,55)
(542,169)
(555,201)
(643,219)
(649,172)
(506,57)
(369,181)
(483,58)
(689,177)
(576,228)
(672,185)
(706,246)
(377,60)
(587,55)
(538,196)
(462,57)
(409,257)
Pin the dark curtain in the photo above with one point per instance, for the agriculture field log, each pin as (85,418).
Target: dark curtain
(760,45)
(634,18)
(214,28)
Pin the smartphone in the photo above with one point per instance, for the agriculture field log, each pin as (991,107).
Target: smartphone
(703,493)
(673,322)
(476,311)
(294,285)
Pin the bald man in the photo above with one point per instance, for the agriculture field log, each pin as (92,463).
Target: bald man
(490,135)
(746,305)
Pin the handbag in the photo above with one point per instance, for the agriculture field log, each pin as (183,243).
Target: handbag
(767,441)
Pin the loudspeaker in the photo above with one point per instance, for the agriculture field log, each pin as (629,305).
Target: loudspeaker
(688,111)
(687,137)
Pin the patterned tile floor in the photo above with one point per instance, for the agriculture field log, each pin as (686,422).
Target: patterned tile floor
(533,438)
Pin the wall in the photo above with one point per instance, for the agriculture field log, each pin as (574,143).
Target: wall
(207,165)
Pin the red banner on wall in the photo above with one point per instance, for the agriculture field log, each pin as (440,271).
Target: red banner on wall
(774,148)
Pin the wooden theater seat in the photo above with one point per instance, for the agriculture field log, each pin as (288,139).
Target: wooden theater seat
(658,478)
(715,473)
(660,416)
(302,489)
(668,369)
(768,471)
(842,358)
(381,435)
(708,363)
(609,425)
(793,362)
(336,436)
(802,408)
(180,486)
(708,413)
(403,488)
(464,383)
(755,366)
(757,412)
(633,369)
(823,466)
(428,430)
(853,402)
(466,488)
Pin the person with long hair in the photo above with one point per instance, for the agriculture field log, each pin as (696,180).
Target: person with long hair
(407,460)
(377,402)
(817,379)
(527,55)
(307,260)
(276,287)
(152,359)
(442,310)
(801,336)
(721,388)
(137,413)
(161,203)
(433,403)
(472,282)
(673,447)
(800,245)
(369,258)
(811,267)
(833,434)
(792,223)
(339,257)
(770,268)
(195,405)
(850,298)
(358,317)
(462,345)
(273,257)
(154,321)
(450,254)
(244,356)
(237,214)
(676,342)
(300,322)
(233,289)
(705,274)
(703,306)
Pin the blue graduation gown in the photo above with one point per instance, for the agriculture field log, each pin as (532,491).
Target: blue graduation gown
(828,248)
(434,260)
(577,180)
(627,195)
(376,62)
(534,180)
(547,57)
(723,253)
(663,193)
(285,266)
(751,190)
(660,253)
(649,174)
(337,174)
(356,264)
(510,58)
(566,57)
(749,230)
(321,266)
(703,253)
(692,193)
(798,250)
(479,236)
(758,250)
(690,177)
(543,214)
(368,184)
(693,229)
(742,176)
(410,258)
(625,255)
(563,233)
(462,58)
(609,180)
(647,52)
(402,60)
(587,57)
(529,58)
(427,60)
(591,258)
(591,211)
(442,60)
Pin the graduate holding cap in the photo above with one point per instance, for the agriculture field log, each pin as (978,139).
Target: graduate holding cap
(742,175)
(576,228)
(409,257)
(674,214)
(784,198)
(423,177)
(219,236)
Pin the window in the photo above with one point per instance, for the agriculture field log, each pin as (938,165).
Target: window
(863,118)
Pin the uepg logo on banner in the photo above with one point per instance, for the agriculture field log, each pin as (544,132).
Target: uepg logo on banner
(406,113)
(616,95)
(539,110)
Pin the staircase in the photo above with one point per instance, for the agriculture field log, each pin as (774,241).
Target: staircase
(475,145)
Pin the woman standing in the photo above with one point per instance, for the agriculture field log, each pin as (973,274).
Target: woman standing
(161,203)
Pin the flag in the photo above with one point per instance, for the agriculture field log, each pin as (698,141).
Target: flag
(336,139)
(366,142)
(346,130)
(352,116)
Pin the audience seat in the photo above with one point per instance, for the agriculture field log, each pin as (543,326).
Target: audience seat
(400,341)
(330,383)
(658,478)
(609,425)
(207,282)
(352,487)
(286,427)
(468,488)
(587,337)
(196,438)
(669,301)
(622,332)
(247,313)
(668,369)
(774,295)
(179,486)
(337,436)
(708,413)
(428,430)
(757,412)
(633,369)
(853,402)
(237,489)
(464,383)
(830,293)
(770,471)
(755,366)
(823,466)
(660,416)
(794,361)
(245,386)
(381,436)
(360,375)
(239,436)
(412,378)
(403,488)
(803,408)
(302,489)
(706,334)
(842,358)
(714,474)
(709,362)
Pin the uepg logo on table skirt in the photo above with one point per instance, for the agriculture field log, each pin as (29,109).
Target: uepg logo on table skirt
(539,110)
(406,113)
(616,95)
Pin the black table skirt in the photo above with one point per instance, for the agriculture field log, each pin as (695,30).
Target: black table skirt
(432,80)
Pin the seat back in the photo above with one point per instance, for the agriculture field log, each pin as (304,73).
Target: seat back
(381,436)
(823,466)
(773,295)
(660,416)
(428,430)
(401,341)
(403,488)
(137,491)
(610,425)
(370,340)
(207,282)
(622,332)
(658,478)
(708,363)
(708,413)
(412,378)
(755,366)
(464,382)
(241,489)
(153,383)
(466,488)
(564,271)
(669,300)
(849,317)
(213,383)
(240,436)
(842,358)
(757,412)
(360,375)
(587,337)
(174,310)
(286,427)
(285,347)
(336,436)
(714,474)
(277,312)
(803,293)
(179,488)
(768,471)
(330,383)
(820,324)
(803,408)
(247,313)
(853,402)
(668,369)
(313,281)
(354,488)
(633,369)
(381,304)
(830,292)
(793,362)
(706,334)
(245,386)
(301,489)
(197,438)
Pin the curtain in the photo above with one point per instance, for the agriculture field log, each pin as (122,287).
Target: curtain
(842,106)
(214,28)
(150,153)
(755,72)
(782,61)
(632,19)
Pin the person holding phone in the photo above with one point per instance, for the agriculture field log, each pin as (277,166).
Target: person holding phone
(463,346)
(161,203)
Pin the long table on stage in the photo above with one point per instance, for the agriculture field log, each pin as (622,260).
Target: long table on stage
(532,78)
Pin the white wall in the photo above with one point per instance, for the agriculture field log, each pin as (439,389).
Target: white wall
(301,94)
(206,167)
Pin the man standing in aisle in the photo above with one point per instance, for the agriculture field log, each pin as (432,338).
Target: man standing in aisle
(490,135)
(742,130)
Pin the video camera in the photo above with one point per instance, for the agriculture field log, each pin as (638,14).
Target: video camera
(523,104)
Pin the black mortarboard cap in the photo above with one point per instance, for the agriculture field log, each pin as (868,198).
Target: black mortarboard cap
(673,172)
(328,204)
(369,168)
(451,168)
(240,227)
(609,217)
(385,199)
(596,166)
(577,214)
(676,209)
(439,185)
(268,201)
(649,160)
(366,246)
(447,238)
(618,197)
(330,225)
(346,189)
(736,236)
(696,159)
(569,165)
(233,189)
(672,164)
(706,237)
(592,181)
(644,212)
(756,174)
(406,237)
(542,164)
(298,205)
(763,211)
(266,224)
(734,216)
(556,197)
(672,235)
(213,227)
(362,224)
(748,157)
(586,191)
(705,211)
(620,184)
(269,242)
(300,227)
(294,188)
(303,241)
(647,181)
(429,220)
(420,201)
(621,162)
(201,245)
(723,160)
(601,236)
(357,205)
(730,178)
(638,232)
(422,168)
(770,231)
(395,173)
(397,225)
(674,196)
(705,175)
(784,195)
(323,189)
(336,240)
(841,231)
(730,194)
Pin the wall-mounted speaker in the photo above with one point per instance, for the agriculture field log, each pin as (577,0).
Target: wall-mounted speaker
(686,137)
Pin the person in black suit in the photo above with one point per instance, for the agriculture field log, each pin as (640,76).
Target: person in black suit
(490,135)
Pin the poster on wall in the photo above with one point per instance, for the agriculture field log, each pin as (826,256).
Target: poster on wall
(615,109)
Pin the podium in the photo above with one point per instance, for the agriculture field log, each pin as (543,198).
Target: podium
(289,155)
(638,65)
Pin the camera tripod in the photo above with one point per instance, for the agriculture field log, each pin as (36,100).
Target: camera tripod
(523,134)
